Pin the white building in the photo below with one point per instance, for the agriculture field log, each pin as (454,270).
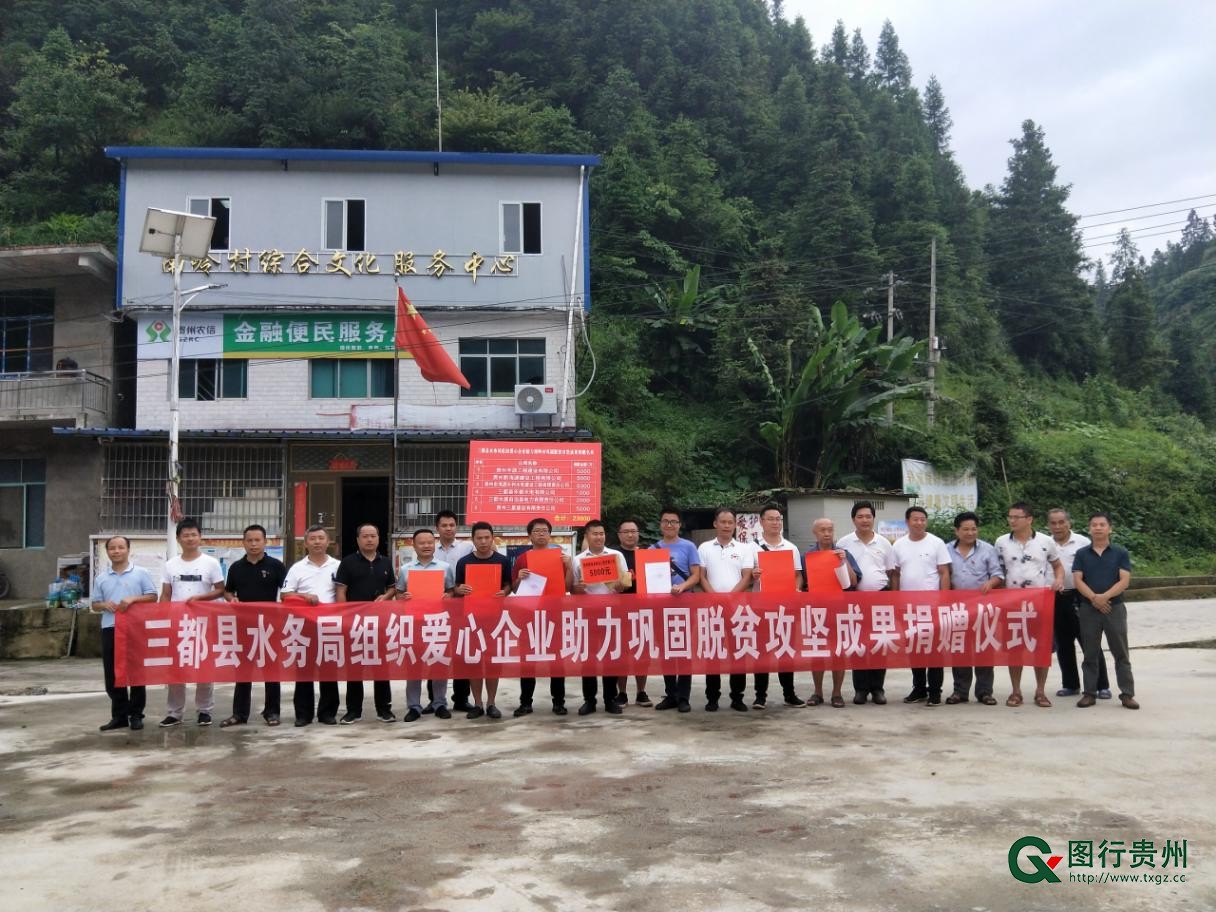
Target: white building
(295,407)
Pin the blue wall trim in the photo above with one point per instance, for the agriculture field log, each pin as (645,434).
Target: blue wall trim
(122,227)
(352,155)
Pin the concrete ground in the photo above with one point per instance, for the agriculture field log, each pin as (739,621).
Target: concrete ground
(865,808)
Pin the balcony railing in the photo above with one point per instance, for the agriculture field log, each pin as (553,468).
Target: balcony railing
(53,396)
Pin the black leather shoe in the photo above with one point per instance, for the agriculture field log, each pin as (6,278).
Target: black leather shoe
(300,723)
(475,712)
(859,698)
(668,703)
(614,708)
(711,706)
(114,725)
(738,706)
(559,709)
(441,712)
(879,697)
(412,716)
(792,699)
(916,696)
(137,723)
(522,710)
(327,720)
(586,709)
(684,707)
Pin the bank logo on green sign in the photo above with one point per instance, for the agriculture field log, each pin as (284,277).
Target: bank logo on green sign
(307,335)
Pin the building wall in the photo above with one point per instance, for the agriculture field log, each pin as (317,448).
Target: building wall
(73,483)
(805,509)
(408,207)
(278,390)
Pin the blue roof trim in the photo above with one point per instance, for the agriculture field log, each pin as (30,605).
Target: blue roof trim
(352,155)
(539,433)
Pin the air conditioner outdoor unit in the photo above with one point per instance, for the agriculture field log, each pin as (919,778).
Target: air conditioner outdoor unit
(533,399)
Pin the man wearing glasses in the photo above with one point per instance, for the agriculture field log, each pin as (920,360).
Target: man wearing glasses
(1031,560)
(685,575)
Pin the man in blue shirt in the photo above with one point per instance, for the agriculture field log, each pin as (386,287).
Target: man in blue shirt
(685,575)
(120,587)
(424,559)
(974,565)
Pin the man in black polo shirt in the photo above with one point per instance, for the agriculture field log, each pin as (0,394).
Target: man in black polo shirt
(366,576)
(1102,571)
(256,577)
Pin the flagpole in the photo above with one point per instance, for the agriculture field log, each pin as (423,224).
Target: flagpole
(396,404)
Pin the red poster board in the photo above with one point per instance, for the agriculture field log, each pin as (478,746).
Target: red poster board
(511,482)
(821,571)
(548,563)
(425,584)
(777,573)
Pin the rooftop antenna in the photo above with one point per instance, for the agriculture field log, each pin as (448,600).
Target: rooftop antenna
(438,102)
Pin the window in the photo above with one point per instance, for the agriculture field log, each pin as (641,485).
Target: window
(27,331)
(493,367)
(220,209)
(521,227)
(345,225)
(206,379)
(351,378)
(22,503)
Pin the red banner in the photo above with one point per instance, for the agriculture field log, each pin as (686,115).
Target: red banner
(570,636)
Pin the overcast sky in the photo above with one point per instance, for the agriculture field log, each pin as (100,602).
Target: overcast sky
(1125,91)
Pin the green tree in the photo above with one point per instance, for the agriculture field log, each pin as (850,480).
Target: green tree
(839,391)
(1137,355)
(1035,261)
(1190,375)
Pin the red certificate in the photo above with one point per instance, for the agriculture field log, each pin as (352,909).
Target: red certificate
(777,573)
(484,579)
(427,584)
(602,569)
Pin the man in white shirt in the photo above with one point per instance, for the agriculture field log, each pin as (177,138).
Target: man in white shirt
(876,560)
(450,550)
(922,564)
(312,578)
(1031,560)
(192,576)
(772,538)
(595,538)
(1067,626)
(726,566)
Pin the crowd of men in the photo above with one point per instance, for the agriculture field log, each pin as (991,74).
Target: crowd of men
(1087,574)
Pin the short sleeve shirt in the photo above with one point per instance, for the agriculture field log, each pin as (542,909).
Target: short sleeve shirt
(260,582)
(1028,565)
(192,579)
(114,587)
(499,560)
(684,557)
(598,588)
(449,573)
(1101,571)
(365,580)
(308,578)
(974,570)
(917,562)
(874,558)
(724,564)
(452,554)
(1068,550)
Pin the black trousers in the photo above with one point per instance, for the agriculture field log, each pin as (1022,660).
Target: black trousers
(870,680)
(242,700)
(382,693)
(458,696)
(1067,628)
(589,689)
(713,687)
(928,679)
(785,678)
(303,700)
(527,689)
(123,704)
(678,687)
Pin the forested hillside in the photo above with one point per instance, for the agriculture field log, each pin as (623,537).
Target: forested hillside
(753,176)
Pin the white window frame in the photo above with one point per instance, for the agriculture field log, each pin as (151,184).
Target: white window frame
(345,201)
(502,226)
(208,198)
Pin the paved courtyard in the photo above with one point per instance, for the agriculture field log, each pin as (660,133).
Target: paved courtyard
(865,808)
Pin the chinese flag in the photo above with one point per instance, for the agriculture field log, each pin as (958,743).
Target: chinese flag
(415,337)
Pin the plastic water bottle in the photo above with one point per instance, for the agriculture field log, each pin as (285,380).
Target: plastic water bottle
(52,594)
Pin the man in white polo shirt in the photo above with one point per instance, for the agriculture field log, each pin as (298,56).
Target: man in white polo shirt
(1031,560)
(876,560)
(312,578)
(595,538)
(726,567)
(772,538)
(922,564)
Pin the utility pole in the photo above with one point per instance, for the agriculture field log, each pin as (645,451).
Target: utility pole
(890,333)
(931,412)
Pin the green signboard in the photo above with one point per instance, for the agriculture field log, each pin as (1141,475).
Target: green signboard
(327,335)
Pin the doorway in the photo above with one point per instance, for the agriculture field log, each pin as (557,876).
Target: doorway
(365,500)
